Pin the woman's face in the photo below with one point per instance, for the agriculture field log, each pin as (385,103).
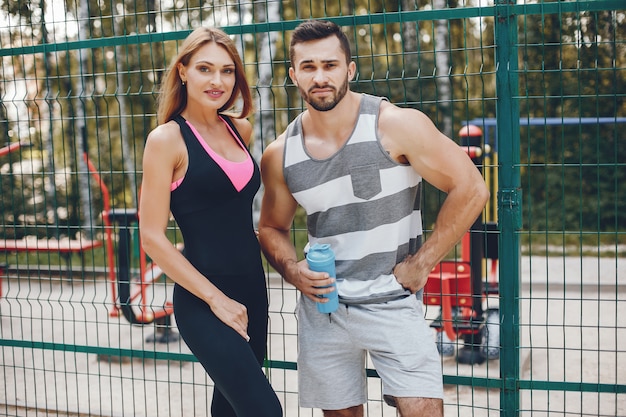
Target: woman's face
(209,76)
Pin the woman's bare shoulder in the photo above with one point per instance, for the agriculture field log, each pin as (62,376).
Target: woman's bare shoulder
(244,127)
(166,132)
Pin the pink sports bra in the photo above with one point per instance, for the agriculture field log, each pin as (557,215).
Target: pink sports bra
(239,173)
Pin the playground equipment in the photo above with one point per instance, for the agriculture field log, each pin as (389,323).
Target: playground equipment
(132,291)
(129,294)
(131,297)
(460,288)
(5,150)
(64,246)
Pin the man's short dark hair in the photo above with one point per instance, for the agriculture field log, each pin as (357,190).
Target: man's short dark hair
(313,30)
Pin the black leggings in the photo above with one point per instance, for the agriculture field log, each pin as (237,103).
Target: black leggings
(234,365)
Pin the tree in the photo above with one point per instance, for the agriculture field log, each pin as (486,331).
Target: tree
(571,66)
(264,122)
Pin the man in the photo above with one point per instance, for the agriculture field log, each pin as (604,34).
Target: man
(355,163)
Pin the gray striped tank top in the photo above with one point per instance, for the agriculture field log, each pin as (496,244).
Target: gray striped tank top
(361,202)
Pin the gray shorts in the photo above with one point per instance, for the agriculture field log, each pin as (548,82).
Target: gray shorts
(332,353)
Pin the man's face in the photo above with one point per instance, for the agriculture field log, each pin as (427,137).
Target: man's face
(321,73)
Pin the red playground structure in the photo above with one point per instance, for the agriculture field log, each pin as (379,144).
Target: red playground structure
(129,289)
(466,295)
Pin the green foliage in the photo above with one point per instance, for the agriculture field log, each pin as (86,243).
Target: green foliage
(572,172)
(571,66)
(19,8)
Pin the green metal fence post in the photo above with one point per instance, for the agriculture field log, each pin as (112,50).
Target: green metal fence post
(509,203)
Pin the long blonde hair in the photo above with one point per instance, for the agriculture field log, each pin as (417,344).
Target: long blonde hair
(172,97)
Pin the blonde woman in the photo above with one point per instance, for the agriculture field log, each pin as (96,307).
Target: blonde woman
(196,164)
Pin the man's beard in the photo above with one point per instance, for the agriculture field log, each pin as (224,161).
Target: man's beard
(326,104)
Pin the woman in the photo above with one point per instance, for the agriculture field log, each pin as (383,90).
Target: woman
(196,164)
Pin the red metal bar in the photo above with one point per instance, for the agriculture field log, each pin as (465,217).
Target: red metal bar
(107,231)
(12,147)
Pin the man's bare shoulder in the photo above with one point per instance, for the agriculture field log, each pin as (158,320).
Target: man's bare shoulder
(275,149)
(392,118)
(272,163)
(404,131)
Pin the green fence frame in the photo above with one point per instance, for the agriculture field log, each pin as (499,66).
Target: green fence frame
(509,193)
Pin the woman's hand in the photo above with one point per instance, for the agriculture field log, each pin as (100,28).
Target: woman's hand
(232,313)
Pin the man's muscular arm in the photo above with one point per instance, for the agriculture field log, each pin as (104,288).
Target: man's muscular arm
(410,134)
(277,213)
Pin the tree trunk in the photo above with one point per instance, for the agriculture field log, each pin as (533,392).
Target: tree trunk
(264,123)
(87,211)
(409,42)
(128,156)
(46,134)
(442,61)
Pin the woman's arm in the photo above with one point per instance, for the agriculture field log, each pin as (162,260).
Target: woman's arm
(164,161)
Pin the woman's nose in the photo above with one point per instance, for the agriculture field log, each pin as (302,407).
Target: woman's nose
(216,78)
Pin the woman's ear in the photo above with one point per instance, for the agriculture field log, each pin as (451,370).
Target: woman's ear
(181,72)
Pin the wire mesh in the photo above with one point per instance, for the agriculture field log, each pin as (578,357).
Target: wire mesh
(78,85)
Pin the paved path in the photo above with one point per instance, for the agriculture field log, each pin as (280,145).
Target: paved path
(572,313)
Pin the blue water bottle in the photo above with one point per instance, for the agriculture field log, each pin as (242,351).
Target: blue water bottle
(322,259)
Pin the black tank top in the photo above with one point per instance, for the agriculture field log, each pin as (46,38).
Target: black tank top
(214,218)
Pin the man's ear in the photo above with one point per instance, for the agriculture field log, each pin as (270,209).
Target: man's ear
(292,75)
(351,70)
